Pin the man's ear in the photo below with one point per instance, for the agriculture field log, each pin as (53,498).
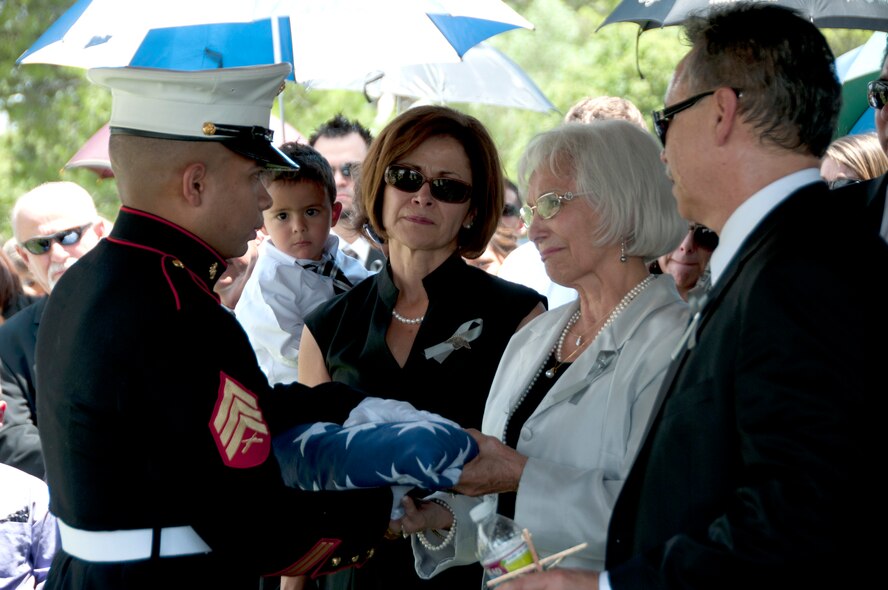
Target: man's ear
(194,180)
(726,103)
(337,212)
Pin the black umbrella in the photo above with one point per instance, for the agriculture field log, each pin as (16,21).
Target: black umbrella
(839,14)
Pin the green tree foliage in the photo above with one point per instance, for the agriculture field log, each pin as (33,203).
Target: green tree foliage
(50,111)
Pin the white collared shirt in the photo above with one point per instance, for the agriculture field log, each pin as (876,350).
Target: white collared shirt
(747,216)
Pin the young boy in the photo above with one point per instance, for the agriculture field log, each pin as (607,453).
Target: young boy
(299,265)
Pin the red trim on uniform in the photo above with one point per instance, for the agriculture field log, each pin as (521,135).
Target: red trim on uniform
(312,561)
(179,229)
(163,257)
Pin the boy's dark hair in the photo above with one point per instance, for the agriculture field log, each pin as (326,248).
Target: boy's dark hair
(339,126)
(313,167)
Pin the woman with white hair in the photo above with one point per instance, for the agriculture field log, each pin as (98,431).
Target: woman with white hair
(573,394)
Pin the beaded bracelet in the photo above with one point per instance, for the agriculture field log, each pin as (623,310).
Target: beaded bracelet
(448,539)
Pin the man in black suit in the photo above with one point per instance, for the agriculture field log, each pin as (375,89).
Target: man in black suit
(54,225)
(754,470)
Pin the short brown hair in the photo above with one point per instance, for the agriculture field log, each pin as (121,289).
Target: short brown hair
(403,135)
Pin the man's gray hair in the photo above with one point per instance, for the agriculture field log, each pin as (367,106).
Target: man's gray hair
(779,62)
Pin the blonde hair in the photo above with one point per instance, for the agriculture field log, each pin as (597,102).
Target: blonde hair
(862,153)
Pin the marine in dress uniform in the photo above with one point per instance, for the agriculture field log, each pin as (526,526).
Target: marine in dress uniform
(155,417)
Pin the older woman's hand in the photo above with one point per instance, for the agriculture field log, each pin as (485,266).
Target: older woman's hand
(497,468)
(422,516)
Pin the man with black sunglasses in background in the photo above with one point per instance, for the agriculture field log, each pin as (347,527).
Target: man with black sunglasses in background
(344,144)
(54,225)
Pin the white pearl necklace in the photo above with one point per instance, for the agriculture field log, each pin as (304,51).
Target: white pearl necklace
(615,312)
(622,305)
(403,320)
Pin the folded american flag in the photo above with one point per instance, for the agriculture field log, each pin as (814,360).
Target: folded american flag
(383,443)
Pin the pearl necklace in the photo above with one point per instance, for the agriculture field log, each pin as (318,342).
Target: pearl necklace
(570,323)
(615,312)
(403,320)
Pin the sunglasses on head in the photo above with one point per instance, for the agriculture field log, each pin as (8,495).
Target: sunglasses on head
(347,170)
(704,237)
(409,180)
(877,93)
(547,206)
(664,117)
(66,237)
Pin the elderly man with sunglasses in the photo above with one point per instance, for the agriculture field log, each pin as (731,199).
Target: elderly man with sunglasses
(54,225)
(754,472)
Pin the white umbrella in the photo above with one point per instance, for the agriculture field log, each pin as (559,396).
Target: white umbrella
(484,76)
(317,37)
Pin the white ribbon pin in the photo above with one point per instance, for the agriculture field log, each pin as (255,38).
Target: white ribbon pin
(466,333)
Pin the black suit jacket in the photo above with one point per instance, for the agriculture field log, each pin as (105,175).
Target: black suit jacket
(756,469)
(870,195)
(19,440)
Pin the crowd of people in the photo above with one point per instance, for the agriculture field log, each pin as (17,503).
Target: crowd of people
(651,343)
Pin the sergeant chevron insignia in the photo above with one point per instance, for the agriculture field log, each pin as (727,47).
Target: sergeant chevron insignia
(238,427)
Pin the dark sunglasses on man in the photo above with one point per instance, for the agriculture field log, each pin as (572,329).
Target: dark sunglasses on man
(347,170)
(877,93)
(409,180)
(66,237)
(663,117)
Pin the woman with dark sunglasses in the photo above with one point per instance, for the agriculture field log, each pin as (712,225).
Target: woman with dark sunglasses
(572,396)
(688,262)
(428,329)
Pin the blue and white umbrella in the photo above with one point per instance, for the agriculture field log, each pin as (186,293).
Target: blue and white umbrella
(317,37)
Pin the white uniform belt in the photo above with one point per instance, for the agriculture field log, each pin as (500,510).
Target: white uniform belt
(129,545)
